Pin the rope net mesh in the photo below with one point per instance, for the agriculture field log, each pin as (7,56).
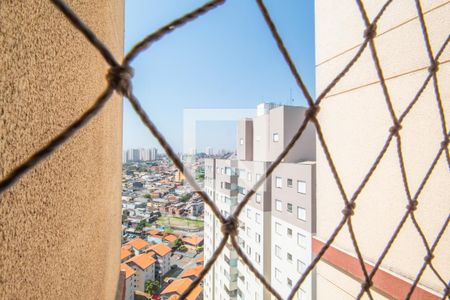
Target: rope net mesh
(119,77)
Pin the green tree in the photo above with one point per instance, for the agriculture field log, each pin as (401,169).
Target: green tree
(151,287)
(182,248)
(199,249)
(147,196)
(200,174)
(178,243)
(141,225)
(185,197)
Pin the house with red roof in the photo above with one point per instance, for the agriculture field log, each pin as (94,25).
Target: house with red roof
(130,281)
(162,255)
(125,253)
(175,289)
(144,265)
(138,246)
(192,273)
(193,241)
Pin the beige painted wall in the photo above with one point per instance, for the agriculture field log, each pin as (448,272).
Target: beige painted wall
(60,224)
(356,123)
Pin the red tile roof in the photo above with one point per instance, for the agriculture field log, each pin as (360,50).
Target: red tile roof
(138,243)
(128,270)
(193,240)
(143,260)
(160,249)
(179,286)
(170,237)
(195,271)
(124,253)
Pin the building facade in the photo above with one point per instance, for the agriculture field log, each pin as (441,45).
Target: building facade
(355,111)
(283,208)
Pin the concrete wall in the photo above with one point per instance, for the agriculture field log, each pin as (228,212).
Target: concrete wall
(286,120)
(245,136)
(356,123)
(261,138)
(296,172)
(60,224)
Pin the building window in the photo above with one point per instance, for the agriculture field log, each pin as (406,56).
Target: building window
(275,137)
(249,232)
(289,257)
(277,251)
(258,176)
(277,274)
(289,207)
(301,240)
(257,237)
(301,213)
(249,176)
(300,266)
(258,198)
(258,218)
(278,205)
(241,141)
(289,182)
(301,187)
(249,213)
(289,282)
(249,250)
(278,228)
(278,182)
(289,232)
(257,258)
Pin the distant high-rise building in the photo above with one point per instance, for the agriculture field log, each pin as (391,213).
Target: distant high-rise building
(142,154)
(153,154)
(277,224)
(209,151)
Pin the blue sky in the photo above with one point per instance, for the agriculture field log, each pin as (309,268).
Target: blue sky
(225,59)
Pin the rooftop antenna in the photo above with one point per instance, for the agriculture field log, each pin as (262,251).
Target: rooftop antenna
(290,96)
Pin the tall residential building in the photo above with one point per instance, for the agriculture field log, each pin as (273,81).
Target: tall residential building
(142,154)
(209,151)
(276,225)
(153,154)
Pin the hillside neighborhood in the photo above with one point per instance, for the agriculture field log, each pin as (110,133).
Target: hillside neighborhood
(162,231)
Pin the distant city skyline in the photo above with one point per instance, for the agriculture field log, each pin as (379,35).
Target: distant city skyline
(225,59)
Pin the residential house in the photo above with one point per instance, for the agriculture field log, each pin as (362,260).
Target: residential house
(162,254)
(125,253)
(193,241)
(192,273)
(144,265)
(130,281)
(177,287)
(138,246)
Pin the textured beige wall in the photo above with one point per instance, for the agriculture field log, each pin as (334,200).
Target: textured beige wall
(60,224)
(356,123)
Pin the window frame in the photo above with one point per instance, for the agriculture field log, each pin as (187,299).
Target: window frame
(298,187)
(291,206)
(299,208)
(275,137)
(278,205)
(278,182)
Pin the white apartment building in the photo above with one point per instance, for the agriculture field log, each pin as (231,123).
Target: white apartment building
(275,226)
(144,266)
(130,281)
(142,154)
(221,185)
(162,255)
